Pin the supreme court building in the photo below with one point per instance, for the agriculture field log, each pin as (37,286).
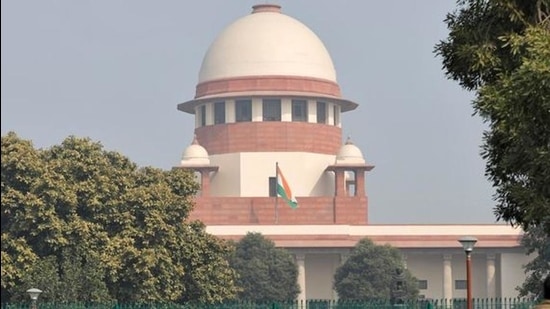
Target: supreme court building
(267,94)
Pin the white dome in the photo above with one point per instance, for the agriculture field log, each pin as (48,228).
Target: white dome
(267,42)
(350,154)
(195,155)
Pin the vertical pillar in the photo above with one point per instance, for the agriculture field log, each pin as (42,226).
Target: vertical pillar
(301,261)
(205,182)
(491,286)
(340,182)
(447,276)
(343,258)
(359,182)
(336,262)
(469,301)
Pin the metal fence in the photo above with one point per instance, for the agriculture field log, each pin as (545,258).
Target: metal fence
(496,303)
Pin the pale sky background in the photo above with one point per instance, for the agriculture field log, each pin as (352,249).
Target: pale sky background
(114,71)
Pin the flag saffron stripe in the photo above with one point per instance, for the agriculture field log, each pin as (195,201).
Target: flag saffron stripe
(283,190)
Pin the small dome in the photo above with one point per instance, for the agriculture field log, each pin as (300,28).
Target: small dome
(195,155)
(349,154)
(267,43)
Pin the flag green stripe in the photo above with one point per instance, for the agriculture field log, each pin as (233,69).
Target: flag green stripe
(282,193)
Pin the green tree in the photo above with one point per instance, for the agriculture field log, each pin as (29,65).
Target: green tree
(374,272)
(537,243)
(104,227)
(21,167)
(501,50)
(44,273)
(265,273)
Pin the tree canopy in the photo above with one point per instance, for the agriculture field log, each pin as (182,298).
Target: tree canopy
(266,273)
(501,50)
(85,224)
(375,272)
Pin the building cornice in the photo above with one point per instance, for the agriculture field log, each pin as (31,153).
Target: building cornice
(401,236)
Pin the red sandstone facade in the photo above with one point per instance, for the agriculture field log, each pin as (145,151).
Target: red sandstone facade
(261,210)
(270,137)
(268,83)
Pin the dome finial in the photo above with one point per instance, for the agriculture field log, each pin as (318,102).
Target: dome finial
(348,141)
(259,8)
(195,141)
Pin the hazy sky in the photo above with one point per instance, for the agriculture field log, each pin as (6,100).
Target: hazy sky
(114,71)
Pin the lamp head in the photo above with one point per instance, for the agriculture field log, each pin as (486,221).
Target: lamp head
(468,243)
(33,293)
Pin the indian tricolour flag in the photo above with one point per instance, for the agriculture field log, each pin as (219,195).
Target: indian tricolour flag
(283,190)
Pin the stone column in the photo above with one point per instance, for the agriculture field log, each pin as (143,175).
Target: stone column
(491,286)
(205,182)
(339,183)
(343,258)
(204,172)
(359,182)
(335,264)
(301,261)
(447,276)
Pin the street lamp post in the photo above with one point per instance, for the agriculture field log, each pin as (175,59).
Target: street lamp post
(33,293)
(468,243)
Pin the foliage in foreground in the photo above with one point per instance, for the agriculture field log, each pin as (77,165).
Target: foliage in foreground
(375,272)
(85,224)
(266,273)
(537,243)
(501,50)
(519,303)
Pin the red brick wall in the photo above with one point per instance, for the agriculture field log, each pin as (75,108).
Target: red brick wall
(268,83)
(261,210)
(270,136)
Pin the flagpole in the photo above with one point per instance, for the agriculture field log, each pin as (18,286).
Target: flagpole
(276,193)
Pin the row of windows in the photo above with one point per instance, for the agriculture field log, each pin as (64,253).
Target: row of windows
(271,111)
